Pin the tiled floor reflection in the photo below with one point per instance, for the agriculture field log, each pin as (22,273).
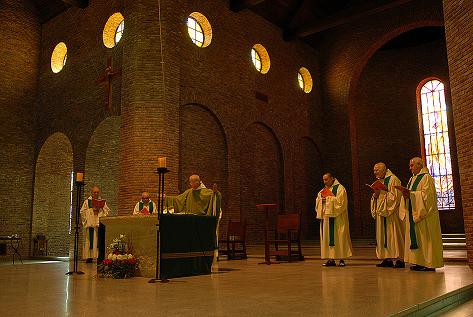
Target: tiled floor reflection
(236,288)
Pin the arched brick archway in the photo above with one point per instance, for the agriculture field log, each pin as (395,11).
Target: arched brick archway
(345,58)
(52,193)
(203,149)
(357,183)
(261,176)
(307,182)
(102,162)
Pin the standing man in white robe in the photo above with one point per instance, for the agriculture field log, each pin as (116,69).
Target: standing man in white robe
(90,222)
(389,227)
(332,210)
(423,237)
(145,206)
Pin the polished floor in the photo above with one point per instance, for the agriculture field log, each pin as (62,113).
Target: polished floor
(235,288)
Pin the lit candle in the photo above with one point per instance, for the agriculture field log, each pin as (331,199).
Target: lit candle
(80,177)
(161,162)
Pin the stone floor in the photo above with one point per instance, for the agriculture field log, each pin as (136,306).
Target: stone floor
(235,288)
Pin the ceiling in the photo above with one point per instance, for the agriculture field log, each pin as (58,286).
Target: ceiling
(307,20)
(298,19)
(48,9)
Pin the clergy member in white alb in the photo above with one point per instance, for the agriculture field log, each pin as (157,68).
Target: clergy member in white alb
(145,206)
(423,237)
(389,227)
(332,209)
(90,215)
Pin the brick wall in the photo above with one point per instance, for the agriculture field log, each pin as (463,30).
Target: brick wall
(20,39)
(459,35)
(51,205)
(220,78)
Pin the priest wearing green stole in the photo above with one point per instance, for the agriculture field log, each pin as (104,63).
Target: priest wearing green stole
(423,237)
(90,222)
(389,227)
(145,206)
(332,209)
(197,200)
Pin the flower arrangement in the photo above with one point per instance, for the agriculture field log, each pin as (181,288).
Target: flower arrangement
(119,262)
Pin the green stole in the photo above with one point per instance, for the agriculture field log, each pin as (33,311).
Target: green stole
(386,183)
(331,221)
(91,230)
(412,229)
(151,206)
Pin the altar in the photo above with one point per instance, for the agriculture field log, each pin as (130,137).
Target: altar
(187,242)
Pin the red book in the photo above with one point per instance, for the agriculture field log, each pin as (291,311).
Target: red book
(326,192)
(377,185)
(98,203)
(144,211)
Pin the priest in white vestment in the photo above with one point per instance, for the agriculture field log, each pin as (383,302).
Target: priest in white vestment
(389,226)
(145,206)
(423,237)
(332,209)
(90,222)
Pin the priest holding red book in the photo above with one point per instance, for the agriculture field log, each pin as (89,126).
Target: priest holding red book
(92,209)
(145,206)
(385,210)
(332,209)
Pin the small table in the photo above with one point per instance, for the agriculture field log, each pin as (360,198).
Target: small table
(13,246)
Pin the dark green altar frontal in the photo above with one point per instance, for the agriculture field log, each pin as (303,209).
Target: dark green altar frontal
(187,244)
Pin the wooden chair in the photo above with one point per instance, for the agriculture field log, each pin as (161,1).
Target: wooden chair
(235,242)
(40,245)
(287,238)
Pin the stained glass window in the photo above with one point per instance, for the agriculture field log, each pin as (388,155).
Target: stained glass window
(436,141)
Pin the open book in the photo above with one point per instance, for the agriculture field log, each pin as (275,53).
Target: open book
(98,203)
(145,211)
(326,192)
(377,185)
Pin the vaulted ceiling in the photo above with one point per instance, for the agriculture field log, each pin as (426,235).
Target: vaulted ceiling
(48,9)
(297,19)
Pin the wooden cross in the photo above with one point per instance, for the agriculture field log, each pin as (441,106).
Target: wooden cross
(107,77)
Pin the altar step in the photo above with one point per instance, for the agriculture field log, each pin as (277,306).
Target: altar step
(454,241)
(440,306)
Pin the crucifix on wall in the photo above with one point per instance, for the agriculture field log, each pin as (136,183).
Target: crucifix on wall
(107,77)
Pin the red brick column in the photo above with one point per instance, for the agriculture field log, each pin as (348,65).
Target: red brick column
(458,18)
(18,86)
(149,126)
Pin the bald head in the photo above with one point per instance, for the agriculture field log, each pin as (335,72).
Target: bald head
(379,170)
(328,179)
(194,181)
(95,192)
(145,197)
(415,165)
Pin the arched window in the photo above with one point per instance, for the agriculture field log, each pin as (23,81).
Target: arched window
(434,132)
